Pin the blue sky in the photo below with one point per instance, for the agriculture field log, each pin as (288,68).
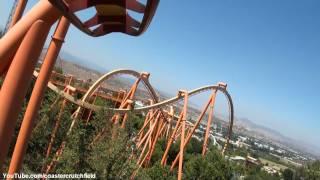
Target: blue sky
(267,51)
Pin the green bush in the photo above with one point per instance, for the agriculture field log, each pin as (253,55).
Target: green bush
(211,166)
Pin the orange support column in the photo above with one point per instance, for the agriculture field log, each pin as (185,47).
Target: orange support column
(127,102)
(125,117)
(189,136)
(90,112)
(55,129)
(37,94)
(149,132)
(171,119)
(128,99)
(17,81)
(170,141)
(224,86)
(205,142)
(57,124)
(10,42)
(149,140)
(141,131)
(183,121)
(161,127)
(18,12)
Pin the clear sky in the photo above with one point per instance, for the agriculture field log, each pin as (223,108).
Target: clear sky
(267,51)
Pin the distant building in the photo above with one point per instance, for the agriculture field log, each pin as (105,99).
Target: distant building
(270,170)
(280,151)
(241,144)
(238,158)
(250,161)
(243,139)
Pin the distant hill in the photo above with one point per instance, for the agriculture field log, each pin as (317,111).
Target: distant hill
(83,62)
(271,135)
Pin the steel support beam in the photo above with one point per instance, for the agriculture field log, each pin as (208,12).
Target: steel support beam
(18,12)
(205,141)
(183,127)
(37,95)
(10,42)
(17,81)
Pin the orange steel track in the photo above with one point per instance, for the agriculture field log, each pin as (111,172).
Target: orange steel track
(159,122)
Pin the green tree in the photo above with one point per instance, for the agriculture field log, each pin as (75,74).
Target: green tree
(108,157)
(313,170)
(58,69)
(156,172)
(212,166)
(287,174)
(255,173)
(194,146)
(45,122)
(261,175)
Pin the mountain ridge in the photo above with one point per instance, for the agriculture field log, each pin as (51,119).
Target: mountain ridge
(278,137)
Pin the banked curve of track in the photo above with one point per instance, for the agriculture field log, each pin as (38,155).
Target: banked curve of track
(145,82)
(158,105)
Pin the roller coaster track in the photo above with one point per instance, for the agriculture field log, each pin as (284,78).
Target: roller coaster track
(121,72)
(157,105)
(118,72)
(160,106)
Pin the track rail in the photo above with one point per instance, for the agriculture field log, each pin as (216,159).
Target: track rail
(158,105)
(111,74)
(82,103)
